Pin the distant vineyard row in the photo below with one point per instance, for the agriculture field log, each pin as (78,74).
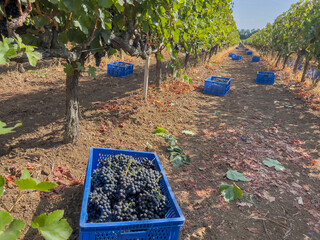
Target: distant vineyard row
(296,31)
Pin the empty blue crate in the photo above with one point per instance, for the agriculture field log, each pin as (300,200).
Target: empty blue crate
(236,57)
(237,47)
(120,69)
(265,78)
(167,228)
(255,59)
(247,49)
(231,54)
(219,86)
(249,53)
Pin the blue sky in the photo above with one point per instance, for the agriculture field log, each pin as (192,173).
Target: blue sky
(257,13)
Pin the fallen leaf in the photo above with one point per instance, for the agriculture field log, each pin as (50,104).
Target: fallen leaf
(244,204)
(267,196)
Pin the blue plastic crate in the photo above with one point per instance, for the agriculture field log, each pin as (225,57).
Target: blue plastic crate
(249,53)
(236,57)
(167,228)
(219,86)
(231,54)
(265,78)
(300,66)
(237,47)
(255,59)
(311,74)
(120,69)
(290,64)
(247,49)
(317,75)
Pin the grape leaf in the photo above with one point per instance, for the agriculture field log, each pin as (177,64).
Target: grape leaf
(13,231)
(4,130)
(92,71)
(27,183)
(273,163)
(236,176)
(230,192)
(187,132)
(52,227)
(2,183)
(159,130)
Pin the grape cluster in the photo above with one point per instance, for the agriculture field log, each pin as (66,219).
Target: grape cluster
(124,189)
(98,57)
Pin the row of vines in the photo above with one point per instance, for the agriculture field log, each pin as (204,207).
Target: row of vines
(295,32)
(74,29)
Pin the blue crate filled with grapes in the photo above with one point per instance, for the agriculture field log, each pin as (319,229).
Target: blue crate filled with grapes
(127,196)
(120,69)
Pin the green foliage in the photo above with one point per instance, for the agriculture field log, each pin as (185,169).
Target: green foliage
(28,183)
(52,227)
(92,71)
(159,130)
(273,163)
(13,231)
(2,183)
(5,130)
(177,158)
(230,192)
(296,30)
(236,176)
(11,47)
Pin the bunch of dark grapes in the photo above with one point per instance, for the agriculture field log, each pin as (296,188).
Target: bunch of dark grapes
(123,189)
(98,56)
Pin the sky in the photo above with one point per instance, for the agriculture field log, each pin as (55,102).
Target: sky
(250,14)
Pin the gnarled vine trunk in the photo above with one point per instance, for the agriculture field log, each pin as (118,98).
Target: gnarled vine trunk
(297,62)
(72,126)
(306,66)
(278,60)
(286,60)
(186,61)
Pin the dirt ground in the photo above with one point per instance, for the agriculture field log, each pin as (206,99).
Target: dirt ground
(238,131)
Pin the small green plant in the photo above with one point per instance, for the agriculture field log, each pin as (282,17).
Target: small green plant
(177,158)
(50,226)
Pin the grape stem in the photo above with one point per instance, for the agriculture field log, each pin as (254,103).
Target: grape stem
(128,167)
(126,208)
(158,179)
(35,237)
(17,200)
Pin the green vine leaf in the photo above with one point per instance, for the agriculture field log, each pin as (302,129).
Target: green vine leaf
(159,130)
(2,183)
(92,71)
(230,192)
(28,183)
(52,227)
(13,231)
(236,176)
(4,130)
(273,163)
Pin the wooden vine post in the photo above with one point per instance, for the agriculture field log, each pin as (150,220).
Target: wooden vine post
(146,77)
